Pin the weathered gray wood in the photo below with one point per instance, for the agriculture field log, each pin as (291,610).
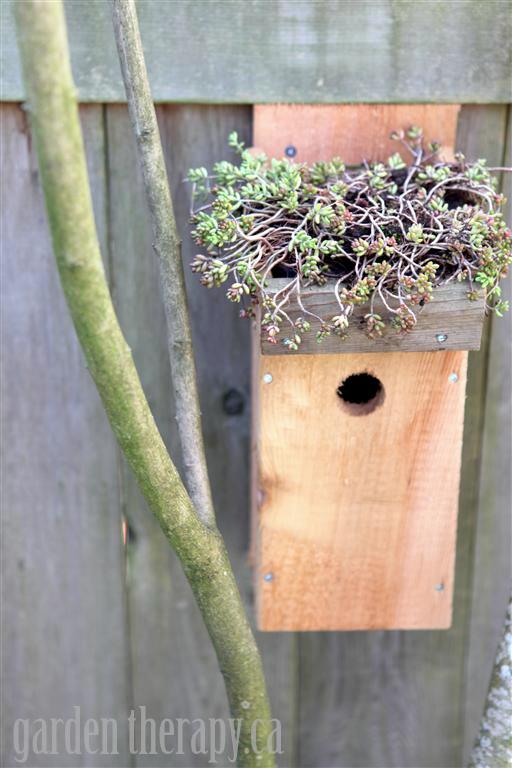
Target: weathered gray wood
(268,51)
(492,567)
(399,698)
(450,314)
(174,669)
(394,699)
(63,600)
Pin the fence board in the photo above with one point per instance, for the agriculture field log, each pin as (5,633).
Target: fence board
(63,607)
(293,51)
(393,699)
(449,310)
(397,698)
(174,669)
(492,569)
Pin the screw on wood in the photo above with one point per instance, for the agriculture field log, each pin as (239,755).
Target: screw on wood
(441,337)
(267,378)
(439,587)
(268,576)
(453,377)
(290,150)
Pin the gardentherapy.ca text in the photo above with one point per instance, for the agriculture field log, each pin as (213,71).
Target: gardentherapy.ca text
(75,735)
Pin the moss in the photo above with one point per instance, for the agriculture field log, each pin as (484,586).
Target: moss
(43,45)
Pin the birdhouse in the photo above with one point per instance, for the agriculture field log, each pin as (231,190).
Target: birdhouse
(357,444)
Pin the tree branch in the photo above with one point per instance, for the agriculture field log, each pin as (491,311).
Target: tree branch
(494,743)
(167,246)
(54,115)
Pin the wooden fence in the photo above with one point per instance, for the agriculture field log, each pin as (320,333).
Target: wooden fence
(89,622)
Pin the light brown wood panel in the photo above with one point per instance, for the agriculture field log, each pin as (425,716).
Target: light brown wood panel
(358,519)
(328,532)
(354,132)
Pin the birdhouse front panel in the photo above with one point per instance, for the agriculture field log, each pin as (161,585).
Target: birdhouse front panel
(359,463)
(357,447)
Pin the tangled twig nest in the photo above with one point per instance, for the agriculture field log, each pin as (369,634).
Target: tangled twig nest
(387,230)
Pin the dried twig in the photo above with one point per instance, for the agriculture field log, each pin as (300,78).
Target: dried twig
(53,109)
(167,246)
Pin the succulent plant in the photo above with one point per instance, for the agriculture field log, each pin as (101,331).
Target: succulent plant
(389,231)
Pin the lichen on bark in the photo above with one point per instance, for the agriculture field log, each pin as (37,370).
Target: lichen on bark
(55,123)
(493,748)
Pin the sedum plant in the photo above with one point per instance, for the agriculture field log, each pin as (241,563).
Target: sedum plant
(386,233)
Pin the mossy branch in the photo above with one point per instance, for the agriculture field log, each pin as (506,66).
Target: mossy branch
(494,743)
(167,246)
(53,108)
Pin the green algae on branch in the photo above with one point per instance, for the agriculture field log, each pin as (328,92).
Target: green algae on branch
(41,32)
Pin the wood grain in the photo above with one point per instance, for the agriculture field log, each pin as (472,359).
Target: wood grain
(409,698)
(355,548)
(450,314)
(354,132)
(64,641)
(358,699)
(293,51)
(492,567)
(174,670)
(358,518)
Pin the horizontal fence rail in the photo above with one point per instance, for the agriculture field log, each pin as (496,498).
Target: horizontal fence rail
(265,51)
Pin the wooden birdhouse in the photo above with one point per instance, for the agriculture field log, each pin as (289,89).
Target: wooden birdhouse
(357,445)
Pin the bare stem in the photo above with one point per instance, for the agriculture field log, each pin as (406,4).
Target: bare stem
(53,108)
(167,246)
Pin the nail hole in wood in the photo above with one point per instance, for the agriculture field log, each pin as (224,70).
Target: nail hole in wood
(361,393)
(233,402)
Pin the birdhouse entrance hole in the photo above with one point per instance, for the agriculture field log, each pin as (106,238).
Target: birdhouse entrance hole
(355,515)
(361,393)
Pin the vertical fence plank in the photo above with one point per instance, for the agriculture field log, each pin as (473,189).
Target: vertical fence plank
(397,698)
(175,673)
(492,566)
(366,699)
(198,136)
(63,604)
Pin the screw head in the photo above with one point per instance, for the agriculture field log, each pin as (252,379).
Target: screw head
(267,378)
(290,150)
(453,377)
(439,587)
(268,576)
(441,337)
